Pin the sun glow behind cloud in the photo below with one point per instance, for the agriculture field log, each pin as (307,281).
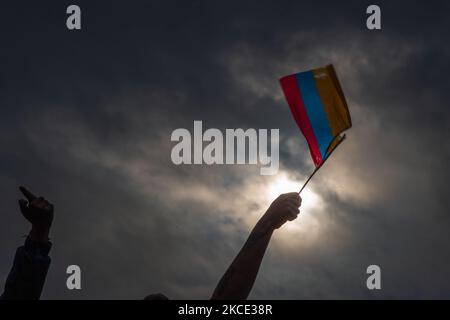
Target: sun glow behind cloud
(311,202)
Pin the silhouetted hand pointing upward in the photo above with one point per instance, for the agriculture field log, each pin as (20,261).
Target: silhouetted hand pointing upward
(39,212)
(31,262)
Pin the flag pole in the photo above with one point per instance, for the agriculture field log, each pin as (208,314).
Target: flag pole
(317,168)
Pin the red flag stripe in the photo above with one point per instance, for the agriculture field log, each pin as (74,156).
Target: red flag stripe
(293,97)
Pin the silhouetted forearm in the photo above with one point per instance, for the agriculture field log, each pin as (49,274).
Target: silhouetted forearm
(238,280)
(27,276)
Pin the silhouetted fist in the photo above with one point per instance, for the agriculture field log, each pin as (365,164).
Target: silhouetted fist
(284,208)
(39,212)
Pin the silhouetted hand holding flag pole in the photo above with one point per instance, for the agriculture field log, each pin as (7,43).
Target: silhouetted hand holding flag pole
(319,108)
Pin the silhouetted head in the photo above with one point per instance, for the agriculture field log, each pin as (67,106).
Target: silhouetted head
(156,296)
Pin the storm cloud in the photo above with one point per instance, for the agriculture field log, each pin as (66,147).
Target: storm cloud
(86,118)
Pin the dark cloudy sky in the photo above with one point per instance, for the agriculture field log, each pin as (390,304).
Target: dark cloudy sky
(86,119)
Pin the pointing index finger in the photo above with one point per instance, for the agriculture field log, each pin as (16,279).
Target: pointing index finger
(30,197)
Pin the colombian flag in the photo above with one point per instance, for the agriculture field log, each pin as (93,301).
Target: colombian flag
(318,105)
